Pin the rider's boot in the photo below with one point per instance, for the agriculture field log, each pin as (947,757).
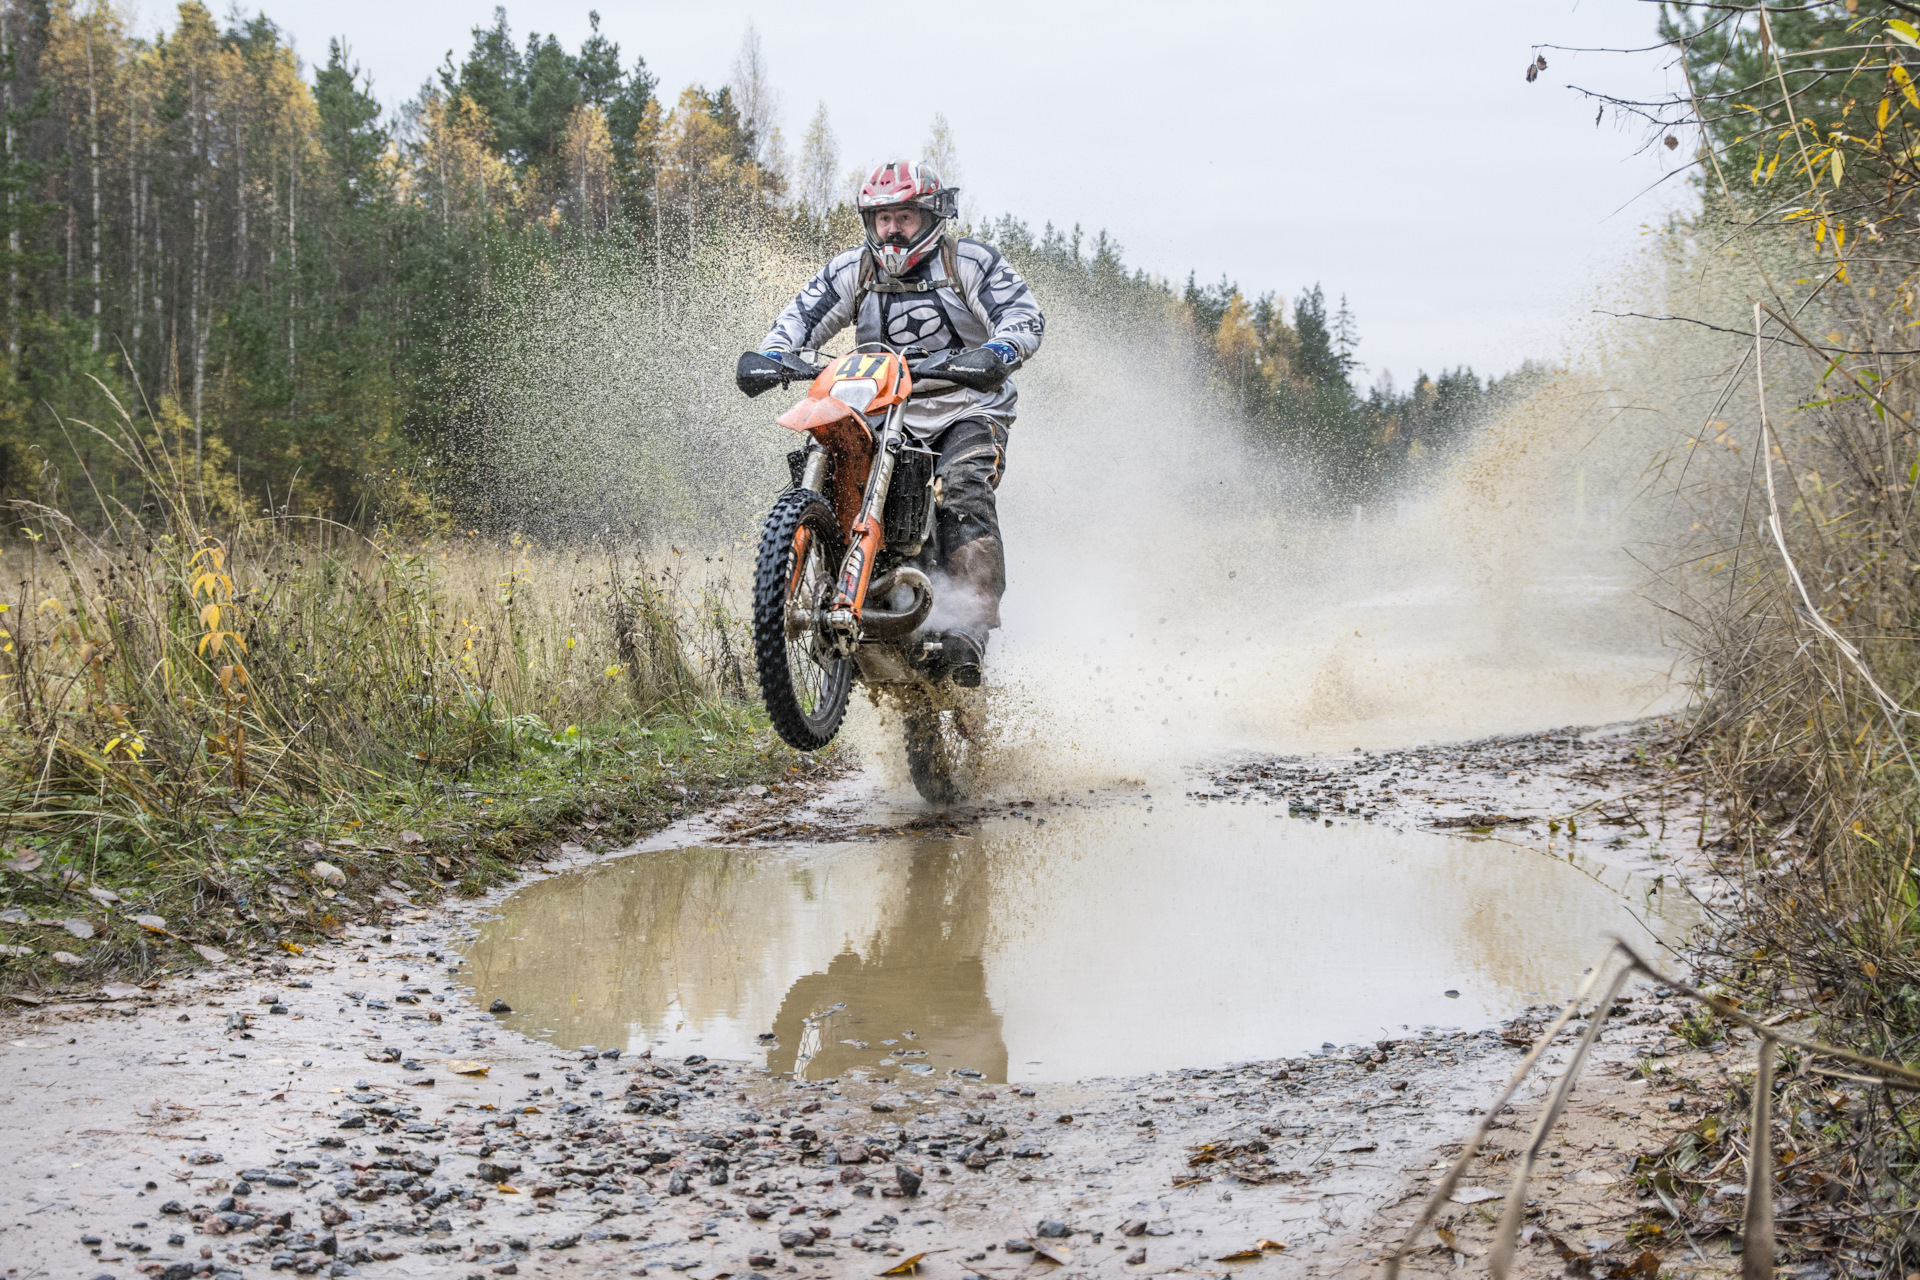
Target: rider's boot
(976,579)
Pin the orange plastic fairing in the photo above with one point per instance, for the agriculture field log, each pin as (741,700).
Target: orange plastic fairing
(844,434)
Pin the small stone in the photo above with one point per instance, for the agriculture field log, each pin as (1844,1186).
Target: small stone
(1052,1229)
(499,1006)
(1017,1246)
(1137,1257)
(793,1237)
(908,1179)
(563,1242)
(851,1153)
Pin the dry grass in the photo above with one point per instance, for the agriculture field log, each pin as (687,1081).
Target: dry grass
(189,698)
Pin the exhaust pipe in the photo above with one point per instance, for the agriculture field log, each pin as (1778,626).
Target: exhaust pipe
(896,624)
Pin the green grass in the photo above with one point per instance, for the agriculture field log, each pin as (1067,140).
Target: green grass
(249,882)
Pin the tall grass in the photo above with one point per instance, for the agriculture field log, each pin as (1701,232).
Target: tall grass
(177,665)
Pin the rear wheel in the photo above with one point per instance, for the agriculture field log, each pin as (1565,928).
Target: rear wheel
(804,684)
(943,742)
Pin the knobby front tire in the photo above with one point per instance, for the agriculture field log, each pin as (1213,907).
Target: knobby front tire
(805,687)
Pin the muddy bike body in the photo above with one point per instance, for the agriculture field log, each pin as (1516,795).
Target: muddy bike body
(841,583)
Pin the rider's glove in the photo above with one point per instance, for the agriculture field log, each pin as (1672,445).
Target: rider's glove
(1002,349)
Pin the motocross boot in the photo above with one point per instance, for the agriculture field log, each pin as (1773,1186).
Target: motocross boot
(976,579)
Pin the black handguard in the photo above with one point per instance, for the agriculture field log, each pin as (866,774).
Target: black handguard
(976,369)
(757,372)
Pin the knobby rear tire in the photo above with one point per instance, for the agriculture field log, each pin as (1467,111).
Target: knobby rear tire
(940,758)
(804,686)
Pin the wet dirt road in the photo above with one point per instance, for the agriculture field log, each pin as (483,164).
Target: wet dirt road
(1077,1044)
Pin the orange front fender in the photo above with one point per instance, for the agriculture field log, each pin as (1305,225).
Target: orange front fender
(819,415)
(844,434)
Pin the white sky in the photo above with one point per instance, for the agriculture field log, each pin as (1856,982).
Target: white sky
(1394,153)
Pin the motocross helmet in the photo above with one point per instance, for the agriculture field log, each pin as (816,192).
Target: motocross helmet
(898,183)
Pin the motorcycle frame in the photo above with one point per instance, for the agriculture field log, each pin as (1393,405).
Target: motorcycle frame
(827,420)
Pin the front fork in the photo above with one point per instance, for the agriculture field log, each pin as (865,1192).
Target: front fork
(813,478)
(868,537)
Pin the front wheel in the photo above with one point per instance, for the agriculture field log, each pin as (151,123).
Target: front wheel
(803,682)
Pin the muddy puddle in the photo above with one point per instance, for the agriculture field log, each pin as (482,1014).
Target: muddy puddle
(1066,943)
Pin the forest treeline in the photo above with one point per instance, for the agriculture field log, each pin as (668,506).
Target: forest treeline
(272,272)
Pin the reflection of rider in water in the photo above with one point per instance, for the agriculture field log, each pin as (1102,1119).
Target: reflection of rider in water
(925,974)
(913,285)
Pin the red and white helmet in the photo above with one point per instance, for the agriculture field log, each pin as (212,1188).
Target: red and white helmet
(898,183)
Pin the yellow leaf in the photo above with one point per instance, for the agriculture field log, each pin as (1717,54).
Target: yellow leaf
(1051,1251)
(1905,82)
(294,948)
(1903,31)
(905,1267)
(210,616)
(1820,231)
(1869,968)
(1240,1255)
(467,1068)
(1880,120)
(1839,166)
(1272,1244)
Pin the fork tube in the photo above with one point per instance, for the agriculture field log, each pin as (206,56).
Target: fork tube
(814,474)
(886,452)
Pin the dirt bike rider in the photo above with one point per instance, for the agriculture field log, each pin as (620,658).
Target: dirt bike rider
(913,285)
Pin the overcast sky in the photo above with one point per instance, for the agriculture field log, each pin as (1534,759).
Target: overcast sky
(1395,152)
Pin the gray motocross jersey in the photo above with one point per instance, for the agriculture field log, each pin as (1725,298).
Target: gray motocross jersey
(992,302)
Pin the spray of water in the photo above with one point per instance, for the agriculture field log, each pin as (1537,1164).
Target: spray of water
(1173,595)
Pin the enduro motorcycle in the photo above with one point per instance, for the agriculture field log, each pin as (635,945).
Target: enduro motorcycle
(841,586)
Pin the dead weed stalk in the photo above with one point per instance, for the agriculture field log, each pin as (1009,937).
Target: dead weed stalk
(1767,1141)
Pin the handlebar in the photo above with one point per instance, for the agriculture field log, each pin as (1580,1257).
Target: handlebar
(976,369)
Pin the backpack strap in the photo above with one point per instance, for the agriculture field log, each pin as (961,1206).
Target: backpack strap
(873,280)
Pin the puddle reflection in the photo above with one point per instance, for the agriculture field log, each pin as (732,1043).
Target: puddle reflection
(1106,941)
